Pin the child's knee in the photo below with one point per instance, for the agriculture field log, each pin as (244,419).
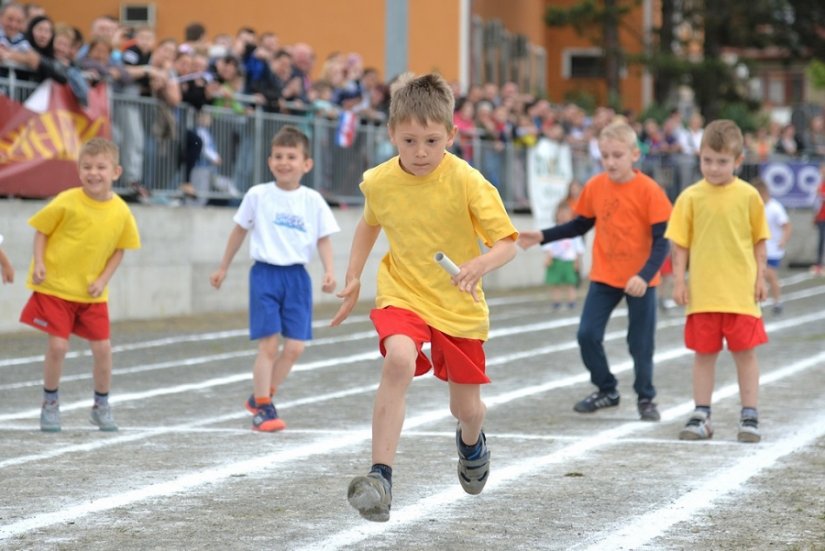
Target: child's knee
(468,411)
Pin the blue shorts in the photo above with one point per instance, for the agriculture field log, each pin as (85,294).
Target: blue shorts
(280,301)
(774,263)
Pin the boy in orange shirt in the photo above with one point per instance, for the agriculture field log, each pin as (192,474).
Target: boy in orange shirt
(630,212)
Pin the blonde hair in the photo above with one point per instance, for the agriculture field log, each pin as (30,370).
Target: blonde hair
(427,98)
(620,131)
(101,146)
(723,136)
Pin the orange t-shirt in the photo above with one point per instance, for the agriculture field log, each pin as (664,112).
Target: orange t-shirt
(624,215)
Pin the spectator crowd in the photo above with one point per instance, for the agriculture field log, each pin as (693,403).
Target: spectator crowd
(254,71)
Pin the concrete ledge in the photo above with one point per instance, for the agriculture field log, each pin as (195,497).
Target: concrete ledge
(169,276)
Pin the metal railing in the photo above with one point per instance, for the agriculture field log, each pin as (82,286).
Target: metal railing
(154,142)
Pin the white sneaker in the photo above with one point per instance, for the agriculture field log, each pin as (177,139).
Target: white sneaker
(50,416)
(103,418)
(749,430)
(697,428)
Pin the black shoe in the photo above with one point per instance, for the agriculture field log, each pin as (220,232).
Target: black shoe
(597,400)
(648,410)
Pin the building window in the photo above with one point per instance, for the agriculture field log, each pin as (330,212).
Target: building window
(583,63)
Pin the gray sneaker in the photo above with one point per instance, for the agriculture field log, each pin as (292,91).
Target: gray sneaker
(473,473)
(372,496)
(749,430)
(50,416)
(697,428)
(103,418)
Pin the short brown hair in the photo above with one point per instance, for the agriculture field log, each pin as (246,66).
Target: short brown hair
(723,136)
(427,98)
(290,136)
(101,146)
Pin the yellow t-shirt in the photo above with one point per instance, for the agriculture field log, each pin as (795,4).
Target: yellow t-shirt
(82,236)
(448,210)
(720,226)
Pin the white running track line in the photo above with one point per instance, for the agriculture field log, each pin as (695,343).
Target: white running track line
(374,354)
(234,333)
(764,456)
(519,393)
(406,515)
(642,529)
(554,324)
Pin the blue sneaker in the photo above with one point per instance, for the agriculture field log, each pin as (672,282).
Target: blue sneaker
(473,473)
(250,405)
(266,419)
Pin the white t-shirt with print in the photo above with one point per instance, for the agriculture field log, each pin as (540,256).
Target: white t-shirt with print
(284,225)
(777,217)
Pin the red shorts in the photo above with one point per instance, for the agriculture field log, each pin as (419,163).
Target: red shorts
(704,332)
(61,318)
(455,359)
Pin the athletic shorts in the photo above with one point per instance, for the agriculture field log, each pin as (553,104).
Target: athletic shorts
(561,272)
(280,301)
(774,263)
(61,318)
(454,359)
(704,332)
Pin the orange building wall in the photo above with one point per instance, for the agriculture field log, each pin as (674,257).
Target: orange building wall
(521,16)
(433,37)
(559,38)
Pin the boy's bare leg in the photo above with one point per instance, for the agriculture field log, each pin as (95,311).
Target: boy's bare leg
(704,378)
(390,399)
(102,371)
(53,364)
(773,284)
(467,407)
(286,359)
(571,293)
(747,371)
(264,365)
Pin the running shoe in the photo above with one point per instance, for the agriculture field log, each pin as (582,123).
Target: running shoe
(697,428)
(266,419)
(371,495)
(103,418)
(473,473)
(597,400)
(50,416)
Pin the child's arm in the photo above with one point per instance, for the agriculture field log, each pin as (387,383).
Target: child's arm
(39,272)
(680,259)
(760,252)
(7,268)
(502,252)
(362,243)
(637,285)
(548,258)
(576,227)
(97,286)
(236,237)
(786,235)
(325,252)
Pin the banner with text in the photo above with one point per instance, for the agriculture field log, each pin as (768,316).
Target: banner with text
(41,138)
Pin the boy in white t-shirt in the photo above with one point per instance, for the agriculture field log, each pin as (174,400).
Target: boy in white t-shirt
(287,222)
(780,226)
